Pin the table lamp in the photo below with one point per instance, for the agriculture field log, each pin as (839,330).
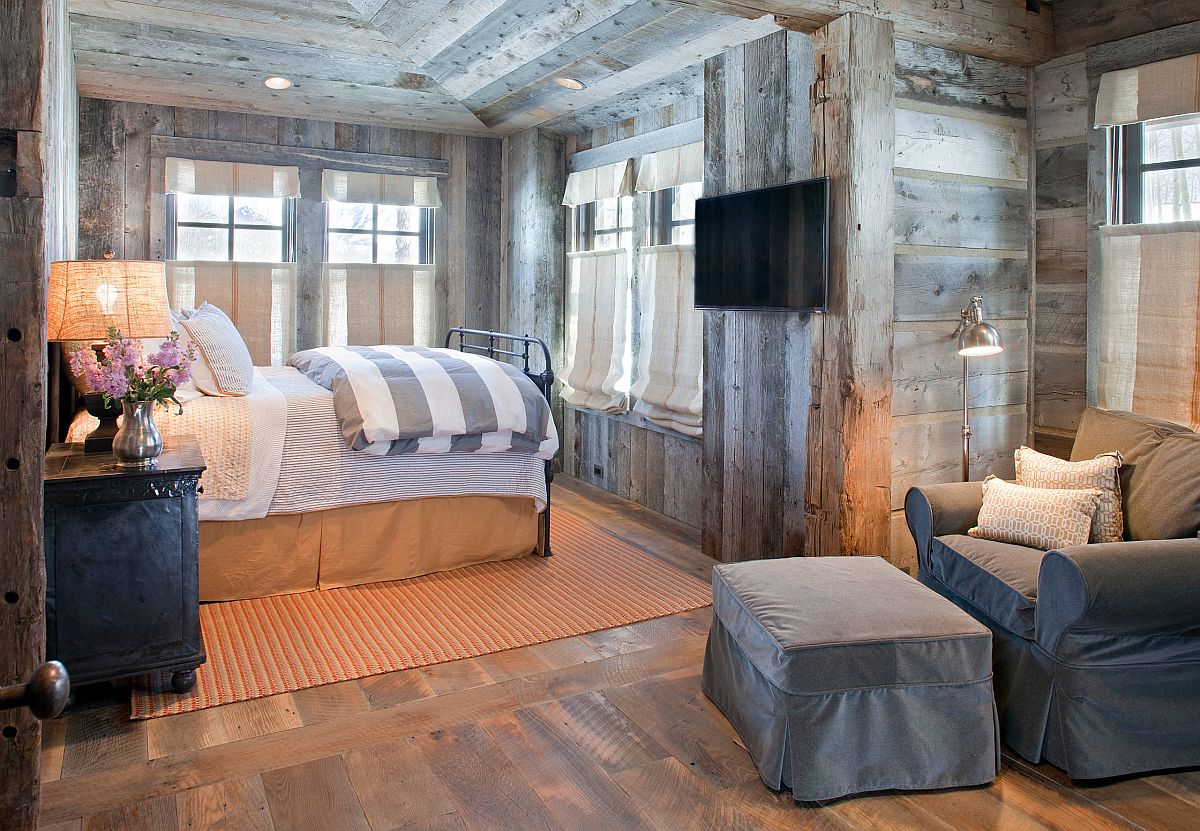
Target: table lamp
(87,297)
(975,339)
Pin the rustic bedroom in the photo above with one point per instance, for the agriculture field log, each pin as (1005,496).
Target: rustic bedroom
(665,414)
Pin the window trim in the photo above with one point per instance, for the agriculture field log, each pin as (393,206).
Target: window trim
(288,228)
(662,216)
(423,234)
(584,230)
(1129,169)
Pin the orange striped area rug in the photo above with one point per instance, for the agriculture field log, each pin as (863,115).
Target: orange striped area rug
(273,645)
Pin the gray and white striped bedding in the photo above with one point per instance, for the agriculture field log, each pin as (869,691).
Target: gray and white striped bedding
(394,400)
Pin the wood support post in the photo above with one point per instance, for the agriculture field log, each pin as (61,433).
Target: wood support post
(848,487)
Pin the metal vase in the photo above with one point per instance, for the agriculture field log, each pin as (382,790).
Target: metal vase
(138,442)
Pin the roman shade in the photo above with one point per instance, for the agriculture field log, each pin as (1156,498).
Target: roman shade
(604,182)
(259,298)
(597,335)
(368,304)
(671,168)
(232,179)
(1153,90)
(380,189)
(1149,327)
(667,385)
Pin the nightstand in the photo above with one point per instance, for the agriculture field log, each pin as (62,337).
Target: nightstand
(122,583)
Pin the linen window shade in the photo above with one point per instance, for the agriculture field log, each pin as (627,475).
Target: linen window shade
(670,168)
(1149,324)
(232,179)
(260,299)
(368,304)
(380,189)
(604,182)
(597,333)
(1154,90)
(667,385)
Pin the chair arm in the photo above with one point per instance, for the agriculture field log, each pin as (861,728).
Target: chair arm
(1118,589)
(934,510)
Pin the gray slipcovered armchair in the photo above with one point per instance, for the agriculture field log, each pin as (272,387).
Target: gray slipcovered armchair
(1096,648)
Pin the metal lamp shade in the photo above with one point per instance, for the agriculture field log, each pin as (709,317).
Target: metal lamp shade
(979,339)
(88,296)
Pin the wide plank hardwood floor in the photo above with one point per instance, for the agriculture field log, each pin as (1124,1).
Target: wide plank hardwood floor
(606,730)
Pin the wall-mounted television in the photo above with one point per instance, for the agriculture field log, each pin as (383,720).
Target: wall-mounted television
(764,250)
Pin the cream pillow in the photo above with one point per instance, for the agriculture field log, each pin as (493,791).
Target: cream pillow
(228,368)
(1037,470)
(1042,518)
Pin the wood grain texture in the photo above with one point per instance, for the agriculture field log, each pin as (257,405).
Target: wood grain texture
(1079,24)
(929,75)
(848,486)
(960,215)
(37,106)
(622,742)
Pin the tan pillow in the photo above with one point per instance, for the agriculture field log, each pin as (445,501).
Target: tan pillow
(1042,518)
(1037,470)
(221,349)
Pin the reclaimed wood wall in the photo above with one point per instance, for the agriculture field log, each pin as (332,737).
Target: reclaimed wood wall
(37,144)
(117,200)
(1060,131)
(961,229)
(626,454)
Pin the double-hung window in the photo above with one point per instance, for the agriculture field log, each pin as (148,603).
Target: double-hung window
(1156,167)
(358,232)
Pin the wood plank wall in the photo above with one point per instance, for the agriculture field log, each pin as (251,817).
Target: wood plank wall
(961,228)
(115,196)
(1060,326)
(37,141)
(757,365)
(625,454)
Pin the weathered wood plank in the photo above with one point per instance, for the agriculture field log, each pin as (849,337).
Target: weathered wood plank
(1083,23)
(927,449)
(1061,316)
(639,145)
(1059,391)
(936,284)
(1061,102)
(679,88)
(937,76)
(271,153)
(927,375)
(1062,249)
(960,215)
(1062,177)
(944,143)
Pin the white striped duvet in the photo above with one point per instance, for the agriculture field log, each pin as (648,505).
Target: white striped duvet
(394,400)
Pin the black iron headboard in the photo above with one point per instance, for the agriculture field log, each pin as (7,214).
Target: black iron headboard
(502,345)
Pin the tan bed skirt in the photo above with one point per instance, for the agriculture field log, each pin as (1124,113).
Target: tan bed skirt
(288,553)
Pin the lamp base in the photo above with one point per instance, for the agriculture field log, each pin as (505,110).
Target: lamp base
(100,440)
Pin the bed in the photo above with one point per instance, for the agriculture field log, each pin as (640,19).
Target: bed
(296,509)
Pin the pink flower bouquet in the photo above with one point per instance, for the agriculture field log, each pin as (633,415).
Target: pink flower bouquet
(125,373)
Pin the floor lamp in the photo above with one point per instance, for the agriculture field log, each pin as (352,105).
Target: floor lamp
(975,339)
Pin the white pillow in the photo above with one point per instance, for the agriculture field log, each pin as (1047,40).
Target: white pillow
(227,366)
(1044,518)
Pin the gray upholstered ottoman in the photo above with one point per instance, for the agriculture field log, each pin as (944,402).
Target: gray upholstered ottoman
(845,675)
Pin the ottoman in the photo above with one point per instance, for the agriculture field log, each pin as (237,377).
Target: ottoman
(844,675)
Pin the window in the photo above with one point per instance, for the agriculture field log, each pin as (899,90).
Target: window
(673,214)
(387,234)
(1156,166)
(603,225)
(230,228)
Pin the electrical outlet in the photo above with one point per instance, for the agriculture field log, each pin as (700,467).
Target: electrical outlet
(598,471)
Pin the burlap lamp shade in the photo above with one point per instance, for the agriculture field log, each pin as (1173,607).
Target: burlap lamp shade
(89,296)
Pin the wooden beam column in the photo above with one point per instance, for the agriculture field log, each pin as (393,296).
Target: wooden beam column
(847,492)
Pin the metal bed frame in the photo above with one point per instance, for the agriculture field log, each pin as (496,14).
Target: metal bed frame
(518,347)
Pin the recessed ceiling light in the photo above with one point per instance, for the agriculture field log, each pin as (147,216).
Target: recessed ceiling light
(276,82)
(570,83)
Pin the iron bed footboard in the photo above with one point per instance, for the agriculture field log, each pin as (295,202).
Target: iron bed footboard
(508,345)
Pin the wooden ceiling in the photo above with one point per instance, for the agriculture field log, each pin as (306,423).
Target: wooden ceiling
(468,66)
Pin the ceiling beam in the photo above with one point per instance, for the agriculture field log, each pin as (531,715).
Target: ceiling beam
(998,29)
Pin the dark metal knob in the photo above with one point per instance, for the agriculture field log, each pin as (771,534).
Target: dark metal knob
(45,695)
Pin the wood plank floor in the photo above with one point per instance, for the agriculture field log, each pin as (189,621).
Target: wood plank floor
(606,730)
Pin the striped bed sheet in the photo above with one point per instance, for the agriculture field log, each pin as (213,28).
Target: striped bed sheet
(398,400)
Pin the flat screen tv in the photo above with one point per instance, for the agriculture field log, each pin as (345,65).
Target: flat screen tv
(764,250)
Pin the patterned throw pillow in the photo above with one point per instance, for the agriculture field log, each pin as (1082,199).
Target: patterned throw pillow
(1037,470)
(221,348)
(1043,518)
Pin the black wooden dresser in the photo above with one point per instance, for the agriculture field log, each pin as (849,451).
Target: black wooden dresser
(122,585)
